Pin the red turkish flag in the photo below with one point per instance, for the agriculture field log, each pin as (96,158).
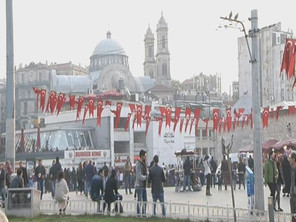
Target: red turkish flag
(291,110)
(177,117)
(265,117)
(139,115)
(181,124)
(187,117)
(159,126)
(60,103)
(72,101)
(148,119)
(91,106)
(162,111)
(243,121)
(52,101)
(147,112)
(234,123)
(191,124)
(220,125)
(127,121)
(215,119)
(84,114)
(100,109)
(228,119)
(132,108)
(271,113)
(37,92)
(207,122)
(288,62)
(79,106)
(278,108)
(42,99)
(117,113)
(196,117)
(168,116)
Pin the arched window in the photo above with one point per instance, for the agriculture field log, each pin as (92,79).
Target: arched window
(163,41)
(164,69)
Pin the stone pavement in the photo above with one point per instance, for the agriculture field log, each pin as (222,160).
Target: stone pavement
(221,198)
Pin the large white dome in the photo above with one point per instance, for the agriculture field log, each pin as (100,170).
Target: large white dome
(108,47)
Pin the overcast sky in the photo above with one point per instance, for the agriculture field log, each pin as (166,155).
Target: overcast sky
(69,30)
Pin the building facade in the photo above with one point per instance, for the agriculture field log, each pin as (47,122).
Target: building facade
(273,88)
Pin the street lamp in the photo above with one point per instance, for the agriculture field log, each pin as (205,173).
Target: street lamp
(258,171)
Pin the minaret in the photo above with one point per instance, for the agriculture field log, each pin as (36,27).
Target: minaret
(149,63)
(163,55)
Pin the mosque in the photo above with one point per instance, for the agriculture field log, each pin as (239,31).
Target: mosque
(109,64)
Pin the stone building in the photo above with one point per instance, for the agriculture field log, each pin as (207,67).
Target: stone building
(273,89)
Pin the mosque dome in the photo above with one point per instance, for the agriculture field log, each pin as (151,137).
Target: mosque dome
(108,47)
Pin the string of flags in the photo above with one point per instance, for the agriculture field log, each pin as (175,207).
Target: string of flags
(227,123)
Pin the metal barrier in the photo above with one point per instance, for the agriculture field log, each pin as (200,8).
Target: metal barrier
(173,210)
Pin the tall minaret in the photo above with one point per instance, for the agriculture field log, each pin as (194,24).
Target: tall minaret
(163,55)
(149,63)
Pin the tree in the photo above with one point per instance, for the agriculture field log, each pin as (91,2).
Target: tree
(176,85)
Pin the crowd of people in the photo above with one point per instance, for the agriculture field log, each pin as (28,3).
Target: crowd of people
(102,184)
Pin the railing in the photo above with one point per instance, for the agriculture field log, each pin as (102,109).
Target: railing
(188,211)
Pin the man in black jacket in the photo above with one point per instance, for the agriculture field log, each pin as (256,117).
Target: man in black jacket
(40,175)
(24,174)
(54,170)
(156,177)
(187,173)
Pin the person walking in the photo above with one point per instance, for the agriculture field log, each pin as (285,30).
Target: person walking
(271,175)
(80,178)
(293,185)
(187,173)
(61,191)
(89,173)
(241,173)
(40,175)
(111,192)
(280,181)
(140,185)
(24,174)
(225,171)
(156,178)
(56,168)
(208,173)
(287,175)
(251,163)
(128,175)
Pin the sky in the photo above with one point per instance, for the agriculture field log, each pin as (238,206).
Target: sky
(69,30)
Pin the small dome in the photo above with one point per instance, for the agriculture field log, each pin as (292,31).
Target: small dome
(109,47)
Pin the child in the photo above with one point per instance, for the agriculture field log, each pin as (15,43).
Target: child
(177,182)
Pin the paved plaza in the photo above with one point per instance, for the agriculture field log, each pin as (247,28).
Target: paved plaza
(221,198)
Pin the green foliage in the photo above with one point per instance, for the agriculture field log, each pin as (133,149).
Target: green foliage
(176,85)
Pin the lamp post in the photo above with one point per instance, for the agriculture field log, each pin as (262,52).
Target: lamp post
(257,141)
